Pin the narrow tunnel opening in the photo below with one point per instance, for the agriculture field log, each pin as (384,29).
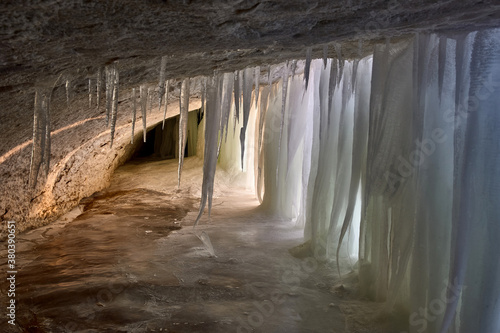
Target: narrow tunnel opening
(162,142)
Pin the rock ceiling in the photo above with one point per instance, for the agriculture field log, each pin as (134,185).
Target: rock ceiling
(42,40)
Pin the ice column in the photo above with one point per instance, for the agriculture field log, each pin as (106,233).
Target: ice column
(183,123)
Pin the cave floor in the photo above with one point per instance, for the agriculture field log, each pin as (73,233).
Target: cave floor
(128,260)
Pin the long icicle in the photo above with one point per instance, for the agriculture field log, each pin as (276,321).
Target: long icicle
(260,157)
(237,94)
(331,86)
(247,102)
(204,93)
(356,63)
(46,150)
(257,85)
(38,140)
(134,115)
(338,50)
(284,91)
(109,92)
(166,104)
(144,99)
(219,108)
(293,68)
(114,107)
(212,129)
(47,144)
(228,87)
(183,125)
(67,92)
(98,88)
(307,68)
(269,76)
(442,63)
(325,55)
(90,93)
(150,99)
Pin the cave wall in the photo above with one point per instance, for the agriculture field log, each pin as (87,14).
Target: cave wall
(82,162)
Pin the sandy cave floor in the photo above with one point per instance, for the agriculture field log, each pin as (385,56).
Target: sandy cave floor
(128,260)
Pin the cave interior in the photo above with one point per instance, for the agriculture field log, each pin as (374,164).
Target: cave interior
(250,166)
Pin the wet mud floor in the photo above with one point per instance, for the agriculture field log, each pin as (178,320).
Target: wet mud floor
(128,260)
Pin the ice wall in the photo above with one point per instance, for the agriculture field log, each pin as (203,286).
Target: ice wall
(392,160)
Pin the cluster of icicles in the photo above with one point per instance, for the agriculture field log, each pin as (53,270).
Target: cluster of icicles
(409,138)
(241,83)
(41,127)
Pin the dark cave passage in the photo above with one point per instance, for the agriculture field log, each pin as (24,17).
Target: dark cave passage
(162,142)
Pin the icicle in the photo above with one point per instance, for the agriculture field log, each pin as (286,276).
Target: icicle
(346,90)
(260,158)
(325,55)
(331,86)
(237,94)
(263,110)
(134,114)
(166,104)
(461,58)
(204,92)
(98,87)
(247,100)
(307,68)
(442,62)
(220,89)
(150,99)
(228,87)
(338,51)
(46,114)
(356,63)
(109,91)
(144,99)
(257,84)
(38,149)
(284,91)
(114,107)
(212,127)
(269,77)
(67,93)
(240,80)
(183,122)
(161,85)
(90,93)
(293,68)
(46,150)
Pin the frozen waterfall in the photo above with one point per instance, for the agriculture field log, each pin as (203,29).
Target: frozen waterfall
(390,163)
